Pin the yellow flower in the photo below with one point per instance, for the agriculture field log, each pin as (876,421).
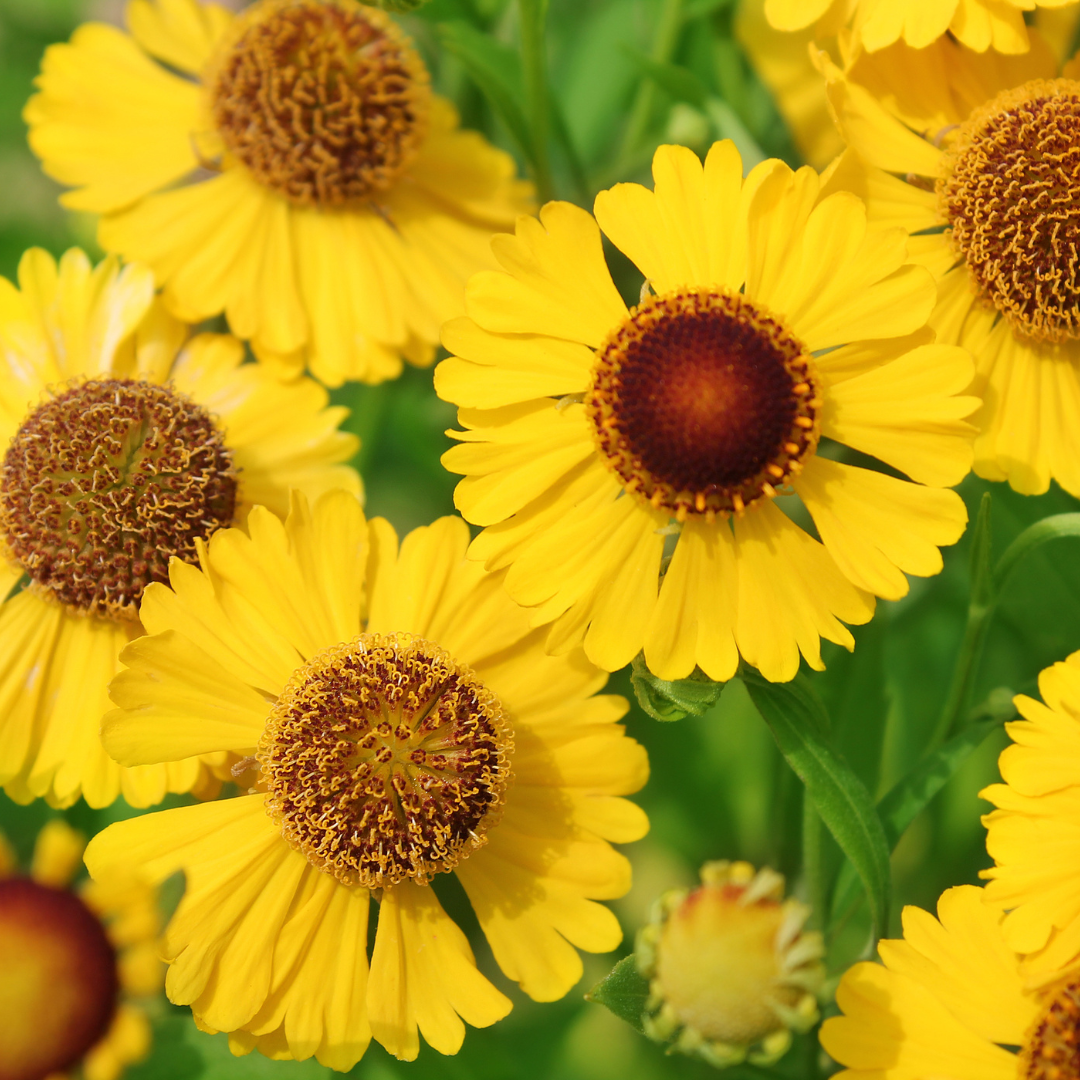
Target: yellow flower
(876,24)
(1034,834)
(943,143)
(399,720)
(342,236)
(782,62)
(78,965)
(127,443)
(731,972)
(952,1002)
(597,437)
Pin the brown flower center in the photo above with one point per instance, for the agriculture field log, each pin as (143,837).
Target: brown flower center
(385,760)
(1051,1050)
(325,101)
(1010,193)
(703,402)
(104,483)
(58,980)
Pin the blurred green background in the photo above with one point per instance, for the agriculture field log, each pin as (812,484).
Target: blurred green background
(627,74)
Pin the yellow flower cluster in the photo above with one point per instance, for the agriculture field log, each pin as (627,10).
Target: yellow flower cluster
(726,471)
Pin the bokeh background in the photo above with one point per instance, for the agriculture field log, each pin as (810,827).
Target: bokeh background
(626,76)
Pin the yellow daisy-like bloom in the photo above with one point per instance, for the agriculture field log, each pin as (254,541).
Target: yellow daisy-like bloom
(876,24)
(288,166)
(127,443)
(597,435)
(79,963)
(952,1002)
(1034,835)
(399,720)
(731,972)
(980,155)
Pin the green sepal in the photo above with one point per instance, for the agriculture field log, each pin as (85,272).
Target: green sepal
(667,701)
(624,990)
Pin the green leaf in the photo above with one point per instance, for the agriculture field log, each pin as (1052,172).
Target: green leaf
(1042,532)
(912,794)
(496,70)
(624,990)
(798,720)
(681,84)
(668,701)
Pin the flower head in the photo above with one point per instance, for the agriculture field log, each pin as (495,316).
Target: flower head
(951,1000)
(1031,833)
(78,962)
(397,720)
(128,443)
(599,440)
(876,24)
(731,971)
(977,156)
(288,166)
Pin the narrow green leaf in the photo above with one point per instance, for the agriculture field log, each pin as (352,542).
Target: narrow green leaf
(667,701)
(912,794)
(623,990)
(681,84)
(496,70)
(1033,537)
(839,795)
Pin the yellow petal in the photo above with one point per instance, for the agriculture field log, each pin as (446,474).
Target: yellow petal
(512,455)
(909,413)
(111,122)
(877,527)
(423,975)
(556,283)
(684,232)
(488,370)
(183,33)
(176,701)
(694,620)
(58,853)
(791,594)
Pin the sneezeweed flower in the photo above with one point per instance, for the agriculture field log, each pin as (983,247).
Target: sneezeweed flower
(876,24)
(595,436)
(79,967)
(731,971)
(1034,834)
(127,443)
(288,166)
(951,1001)
(399,720)
(976,154)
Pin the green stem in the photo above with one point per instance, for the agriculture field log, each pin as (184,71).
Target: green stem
(813,866)
(981,606)
(957,704)
(664,41)
(537,105)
